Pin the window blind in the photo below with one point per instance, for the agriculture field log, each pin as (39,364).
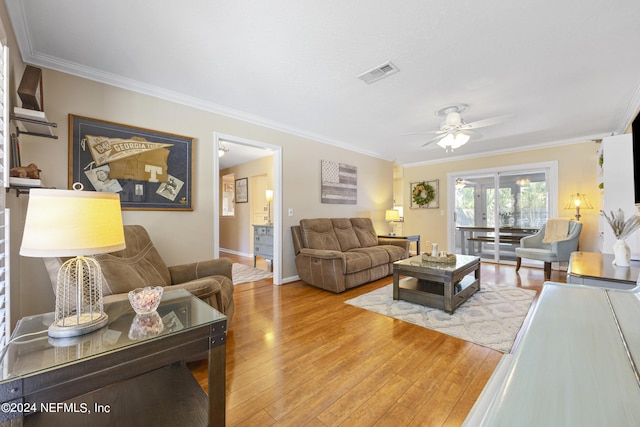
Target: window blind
(5,247)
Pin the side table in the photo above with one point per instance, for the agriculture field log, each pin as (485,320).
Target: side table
(128,373)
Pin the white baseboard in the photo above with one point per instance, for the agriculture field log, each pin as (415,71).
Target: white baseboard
(232,252)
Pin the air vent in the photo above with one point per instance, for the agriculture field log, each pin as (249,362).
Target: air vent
(379,72)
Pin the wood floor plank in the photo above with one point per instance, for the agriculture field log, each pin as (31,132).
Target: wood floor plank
(300,356)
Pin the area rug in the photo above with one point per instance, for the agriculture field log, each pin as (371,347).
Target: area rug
(492,317)
(243,273)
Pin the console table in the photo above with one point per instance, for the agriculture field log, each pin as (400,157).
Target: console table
(124,374)
(597,269)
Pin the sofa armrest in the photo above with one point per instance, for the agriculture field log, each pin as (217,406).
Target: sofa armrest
(564,248)
(532,241)
(196,270)
(403,243)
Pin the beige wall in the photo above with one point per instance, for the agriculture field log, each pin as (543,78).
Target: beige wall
(185,236)
(577,172)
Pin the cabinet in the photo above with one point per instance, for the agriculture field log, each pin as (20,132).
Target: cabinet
(262,242)
(617,180)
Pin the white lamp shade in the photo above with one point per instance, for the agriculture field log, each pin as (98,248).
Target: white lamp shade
(269,195)
(453,141)
(72,223)
(392,215)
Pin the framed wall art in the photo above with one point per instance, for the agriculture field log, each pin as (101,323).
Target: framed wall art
(339,183)
(150,170)
(424,194)
(242,190)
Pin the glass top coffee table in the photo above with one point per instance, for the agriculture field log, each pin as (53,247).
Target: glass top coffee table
(441,285)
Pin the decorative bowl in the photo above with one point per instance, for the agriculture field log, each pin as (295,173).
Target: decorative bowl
(145,300)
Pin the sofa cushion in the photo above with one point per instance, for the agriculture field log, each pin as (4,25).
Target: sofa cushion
(363,228)
(356,261)
(318,233)
(396,253)
(377,254)
(344,232)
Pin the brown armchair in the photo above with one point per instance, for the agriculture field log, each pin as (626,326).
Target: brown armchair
(140,265)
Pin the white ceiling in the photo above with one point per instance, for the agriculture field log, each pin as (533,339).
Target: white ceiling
(567,70)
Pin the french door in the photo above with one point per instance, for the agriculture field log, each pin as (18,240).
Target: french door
(493,209)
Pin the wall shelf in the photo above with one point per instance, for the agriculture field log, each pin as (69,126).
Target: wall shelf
(35,127)
(20,190)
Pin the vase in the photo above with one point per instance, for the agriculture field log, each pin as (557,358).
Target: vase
(622,253)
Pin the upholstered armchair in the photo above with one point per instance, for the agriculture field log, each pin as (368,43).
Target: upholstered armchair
(140,265)
(558,250)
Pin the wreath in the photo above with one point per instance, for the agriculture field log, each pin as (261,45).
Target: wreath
(423,194)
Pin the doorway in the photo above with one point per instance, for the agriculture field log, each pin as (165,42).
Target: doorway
(494,208)
(219,141)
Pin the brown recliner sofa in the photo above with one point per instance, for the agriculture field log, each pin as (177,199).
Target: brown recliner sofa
(140,265)
(337,254)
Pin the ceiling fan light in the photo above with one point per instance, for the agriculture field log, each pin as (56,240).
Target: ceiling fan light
(222,149)
(447,142)
(453,141)
(461,139)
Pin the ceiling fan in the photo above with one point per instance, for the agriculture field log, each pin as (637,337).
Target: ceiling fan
(454,132)
(461,183)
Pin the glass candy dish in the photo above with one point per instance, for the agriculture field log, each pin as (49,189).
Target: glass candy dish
(145,300)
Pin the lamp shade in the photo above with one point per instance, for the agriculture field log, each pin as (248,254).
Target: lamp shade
(578,200)
(72,223)
(392,215)
(453,141)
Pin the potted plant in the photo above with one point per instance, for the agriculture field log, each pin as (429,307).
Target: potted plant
(622,228)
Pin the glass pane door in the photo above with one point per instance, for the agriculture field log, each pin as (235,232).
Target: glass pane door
(493,212)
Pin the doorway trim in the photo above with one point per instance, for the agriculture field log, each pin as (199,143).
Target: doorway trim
(277,194)
(551,166)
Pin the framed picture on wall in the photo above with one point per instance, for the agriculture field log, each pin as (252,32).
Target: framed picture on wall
(242,190)
(151,170)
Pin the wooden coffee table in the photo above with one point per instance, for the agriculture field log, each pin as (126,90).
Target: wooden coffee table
(439,285)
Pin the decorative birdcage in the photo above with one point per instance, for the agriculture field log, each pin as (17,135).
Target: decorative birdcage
(79,308)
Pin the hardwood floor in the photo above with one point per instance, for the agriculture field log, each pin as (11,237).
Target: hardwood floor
(299,356)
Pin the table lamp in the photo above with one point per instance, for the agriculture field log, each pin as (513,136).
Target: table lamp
(578,201)
(74,223)
(392,215)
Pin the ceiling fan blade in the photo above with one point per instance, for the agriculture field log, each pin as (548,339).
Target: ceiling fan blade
(438,138)
(423,132)
(485,122)
(472,133)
